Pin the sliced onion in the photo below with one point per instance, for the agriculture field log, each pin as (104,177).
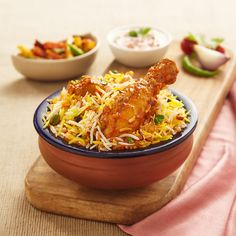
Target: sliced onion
(210,59)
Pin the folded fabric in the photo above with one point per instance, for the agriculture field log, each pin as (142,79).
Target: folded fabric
(207,204)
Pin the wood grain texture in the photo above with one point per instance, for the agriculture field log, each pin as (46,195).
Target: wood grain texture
(24,21)
(48,191)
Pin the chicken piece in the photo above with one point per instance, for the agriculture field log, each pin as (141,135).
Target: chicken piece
(82,86)
(137,103)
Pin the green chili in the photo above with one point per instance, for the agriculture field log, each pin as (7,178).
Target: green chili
(192,69)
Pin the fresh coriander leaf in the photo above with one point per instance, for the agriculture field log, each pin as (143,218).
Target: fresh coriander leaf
(133,33)
(130,140)
(144,31)
(192,37)
(217,40)
(158,119)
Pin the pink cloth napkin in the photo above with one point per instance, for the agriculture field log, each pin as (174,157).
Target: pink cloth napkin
(207,204)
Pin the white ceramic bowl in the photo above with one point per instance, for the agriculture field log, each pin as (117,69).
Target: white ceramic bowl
(140,57)
(53,70)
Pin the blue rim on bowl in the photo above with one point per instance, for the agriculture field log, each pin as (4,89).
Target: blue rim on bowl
(152,149)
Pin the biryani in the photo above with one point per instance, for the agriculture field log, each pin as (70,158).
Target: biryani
(76,117)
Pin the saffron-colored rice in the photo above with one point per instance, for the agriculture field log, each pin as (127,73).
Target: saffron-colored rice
(79,124)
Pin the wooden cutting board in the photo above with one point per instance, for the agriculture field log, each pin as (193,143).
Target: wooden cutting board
(48,191)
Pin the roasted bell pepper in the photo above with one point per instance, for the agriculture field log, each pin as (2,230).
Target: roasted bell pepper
(75,50)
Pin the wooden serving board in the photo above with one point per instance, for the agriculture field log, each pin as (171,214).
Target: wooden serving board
(48,191)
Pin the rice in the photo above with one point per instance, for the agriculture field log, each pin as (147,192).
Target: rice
(76,120)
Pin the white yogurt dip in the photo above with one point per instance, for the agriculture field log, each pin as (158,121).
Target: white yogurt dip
(134,39)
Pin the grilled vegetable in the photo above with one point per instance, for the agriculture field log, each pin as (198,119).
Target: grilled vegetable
(75,50)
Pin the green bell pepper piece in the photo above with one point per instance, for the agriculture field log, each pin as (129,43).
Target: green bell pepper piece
(55,119)
(192,69)
(75,50)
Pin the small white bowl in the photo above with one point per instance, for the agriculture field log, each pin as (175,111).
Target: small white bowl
(53,70)
(138,57)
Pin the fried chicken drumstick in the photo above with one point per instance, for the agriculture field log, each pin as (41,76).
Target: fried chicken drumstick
(134,105)
(137,103)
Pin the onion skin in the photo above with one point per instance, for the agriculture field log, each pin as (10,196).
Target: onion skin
(210,59)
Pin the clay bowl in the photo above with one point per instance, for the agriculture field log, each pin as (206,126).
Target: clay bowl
(115,169)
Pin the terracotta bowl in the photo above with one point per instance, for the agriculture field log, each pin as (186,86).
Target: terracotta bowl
(115,169)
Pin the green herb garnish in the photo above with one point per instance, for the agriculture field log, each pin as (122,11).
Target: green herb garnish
(55,119)
(200,39)
(133,33)
(218,40)
(144,31)
(192,37)
(158,119)
(130,140)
